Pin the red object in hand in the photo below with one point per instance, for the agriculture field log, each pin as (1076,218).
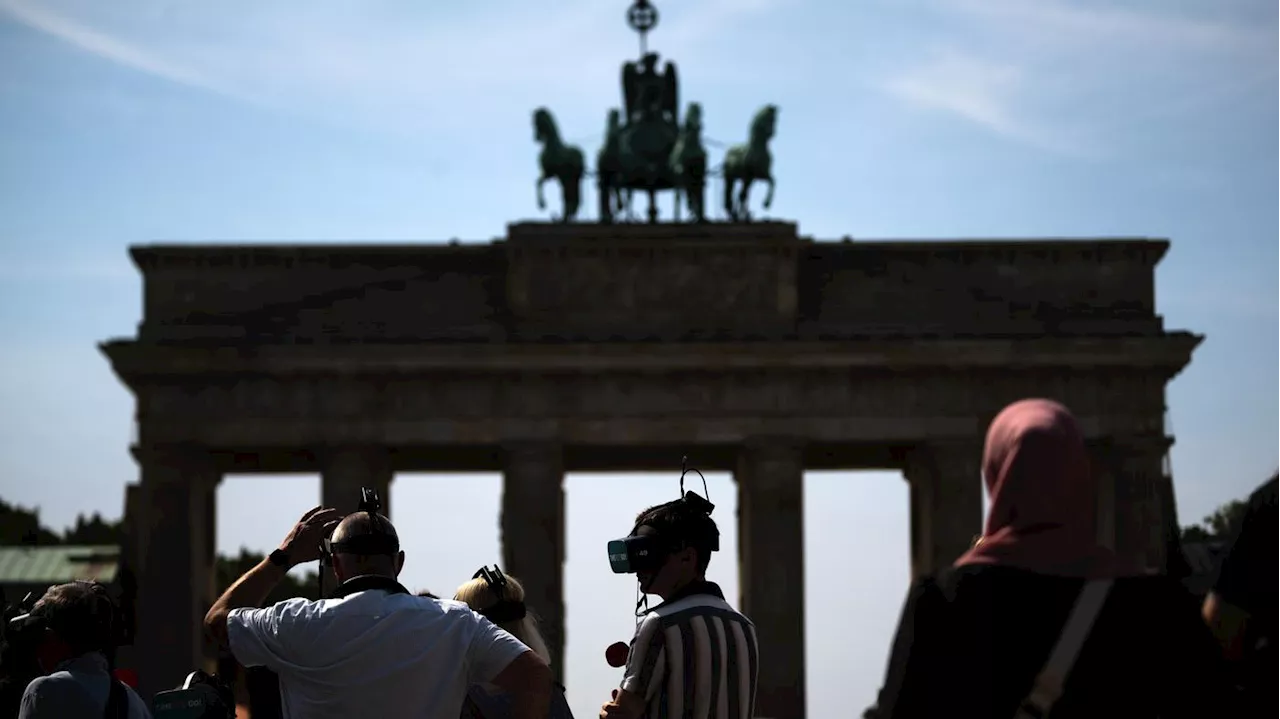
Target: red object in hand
(616,654)
(128,676)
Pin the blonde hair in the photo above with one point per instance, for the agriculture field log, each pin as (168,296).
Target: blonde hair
(477,594)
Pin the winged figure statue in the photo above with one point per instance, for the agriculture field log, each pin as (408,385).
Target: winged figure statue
(643,88)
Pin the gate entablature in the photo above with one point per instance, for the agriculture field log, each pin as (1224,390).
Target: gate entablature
(714,282)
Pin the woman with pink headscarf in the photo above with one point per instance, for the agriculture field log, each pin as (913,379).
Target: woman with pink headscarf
(1038,615)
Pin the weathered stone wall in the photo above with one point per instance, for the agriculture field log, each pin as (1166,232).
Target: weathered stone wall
(284,294)
(632,405)
(979,288)
(642,282)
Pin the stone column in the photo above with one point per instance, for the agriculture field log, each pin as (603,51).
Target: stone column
(1132,477)
(533,541)
(129,573)
(770,478)
(1106,483)
(175,585)
(345,470)
(210,546)
(946,502)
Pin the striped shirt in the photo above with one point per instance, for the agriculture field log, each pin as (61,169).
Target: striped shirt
(694,658)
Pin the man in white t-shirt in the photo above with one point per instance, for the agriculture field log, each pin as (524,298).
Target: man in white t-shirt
(373,649)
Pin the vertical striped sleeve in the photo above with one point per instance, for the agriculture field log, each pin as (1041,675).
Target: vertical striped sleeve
(704,678)
(720,665)
(675,671)
(642,660)
(746,670)
(659,675)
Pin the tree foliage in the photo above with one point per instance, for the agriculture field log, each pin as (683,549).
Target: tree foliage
(1219,526)
(21,527)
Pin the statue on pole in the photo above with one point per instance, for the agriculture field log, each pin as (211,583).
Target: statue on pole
(649,126)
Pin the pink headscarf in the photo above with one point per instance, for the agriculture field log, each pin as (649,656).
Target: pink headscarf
(1043,495)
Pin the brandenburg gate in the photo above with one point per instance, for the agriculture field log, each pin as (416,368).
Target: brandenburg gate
(594,347)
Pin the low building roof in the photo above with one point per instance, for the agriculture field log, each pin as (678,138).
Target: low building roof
(53,565)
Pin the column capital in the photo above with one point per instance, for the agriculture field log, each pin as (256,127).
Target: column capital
(363,453)
(193,464)
(945,456)
(770,447)
(1122,447)
(532,448)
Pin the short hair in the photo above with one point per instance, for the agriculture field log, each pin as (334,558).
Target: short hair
(81,613)
(683,525)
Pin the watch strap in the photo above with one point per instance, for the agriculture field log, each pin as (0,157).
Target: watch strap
(280,558)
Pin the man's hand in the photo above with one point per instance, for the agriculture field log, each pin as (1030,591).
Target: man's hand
(303,541)
(251,590)
(622,705)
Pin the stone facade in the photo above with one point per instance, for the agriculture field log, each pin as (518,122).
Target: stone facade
(585,347)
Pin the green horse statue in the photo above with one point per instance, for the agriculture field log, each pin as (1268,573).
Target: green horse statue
(748,163)
(689,164)
(563,162)
(613,198)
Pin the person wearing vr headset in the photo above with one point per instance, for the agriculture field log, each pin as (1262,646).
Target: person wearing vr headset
(499,598)
(72,630)
(693,652)
(370,649)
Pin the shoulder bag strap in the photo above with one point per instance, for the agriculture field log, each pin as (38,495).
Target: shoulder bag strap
(117,701)
(1051,679)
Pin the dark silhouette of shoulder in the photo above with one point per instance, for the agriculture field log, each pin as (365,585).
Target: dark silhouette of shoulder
(972,640)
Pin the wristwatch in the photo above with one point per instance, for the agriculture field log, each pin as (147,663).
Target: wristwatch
(280,558)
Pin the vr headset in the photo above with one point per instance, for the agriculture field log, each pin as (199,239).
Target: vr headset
(201,696)
(646,552)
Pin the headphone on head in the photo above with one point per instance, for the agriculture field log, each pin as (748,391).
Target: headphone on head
(505,610)
(380,540)
(32,619)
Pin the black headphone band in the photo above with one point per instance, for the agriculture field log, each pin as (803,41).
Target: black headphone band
(504,611)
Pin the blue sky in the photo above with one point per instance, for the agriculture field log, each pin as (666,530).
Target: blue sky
(139,121)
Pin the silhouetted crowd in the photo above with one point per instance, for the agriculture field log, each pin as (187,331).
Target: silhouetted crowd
(1037,619)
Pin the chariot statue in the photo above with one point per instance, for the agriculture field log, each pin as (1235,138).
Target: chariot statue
(645,147)
(648,148)
(640,142)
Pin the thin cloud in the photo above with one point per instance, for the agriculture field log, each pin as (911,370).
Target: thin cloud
(104,46)
(1059,22)
(1063,77)
(981,92)
(418,70)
